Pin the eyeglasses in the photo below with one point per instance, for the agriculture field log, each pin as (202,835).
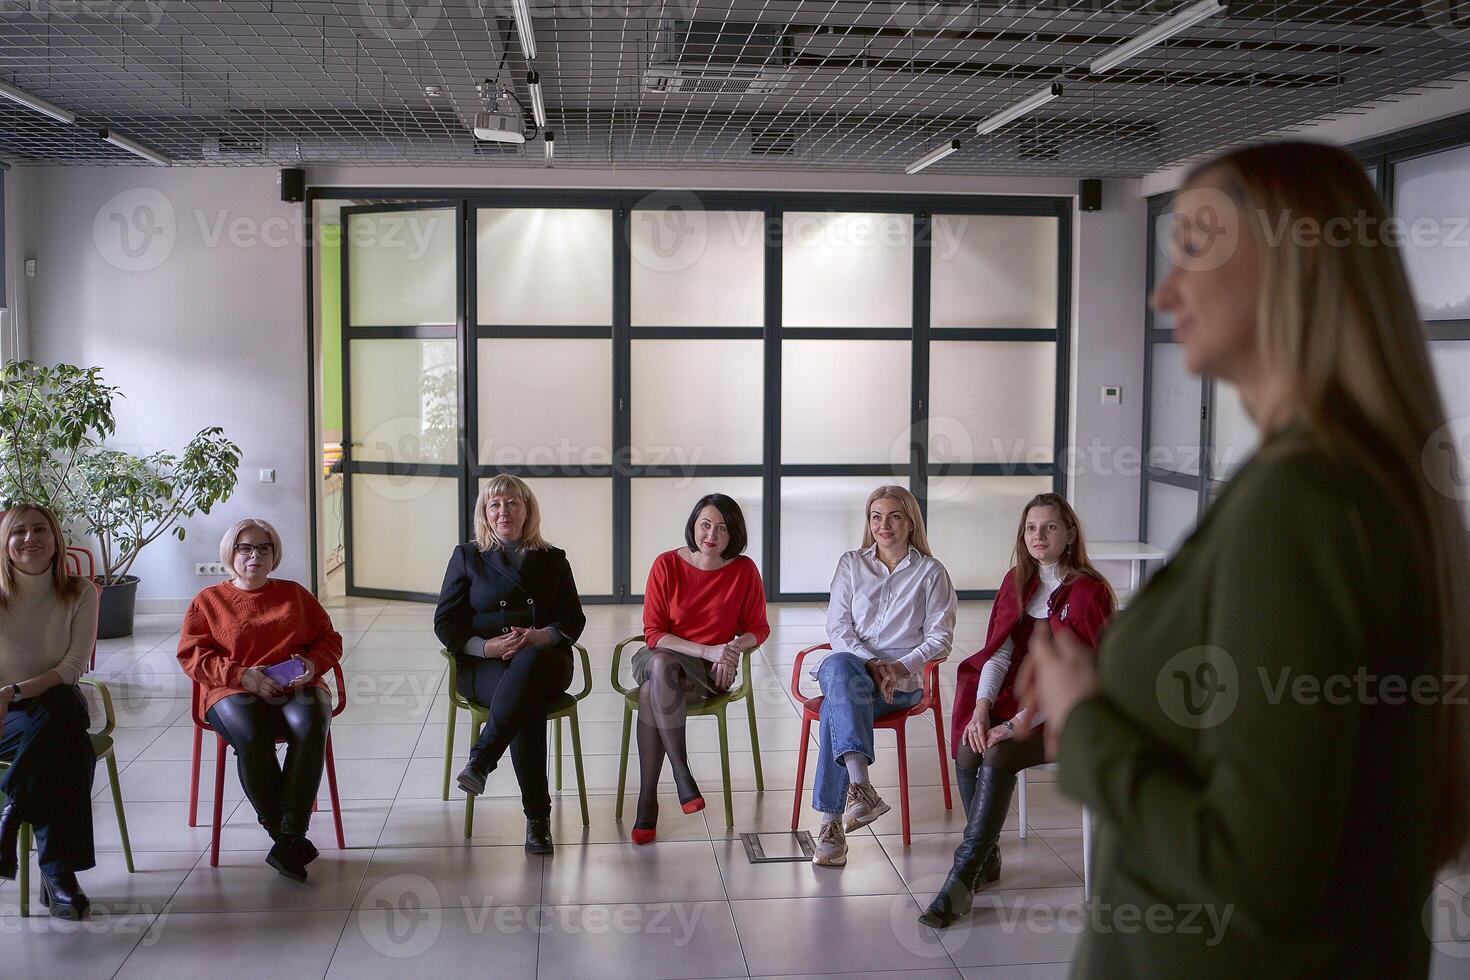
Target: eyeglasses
(247,550)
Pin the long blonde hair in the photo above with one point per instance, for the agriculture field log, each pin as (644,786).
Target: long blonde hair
(918,537)
(67,586)
(1339,332)
(504,483)
(1074,560)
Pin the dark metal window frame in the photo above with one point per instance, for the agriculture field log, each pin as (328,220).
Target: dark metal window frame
(1383,154)
(621,333)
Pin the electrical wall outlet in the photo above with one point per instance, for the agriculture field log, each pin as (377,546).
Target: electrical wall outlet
(1112,395)
(210,568)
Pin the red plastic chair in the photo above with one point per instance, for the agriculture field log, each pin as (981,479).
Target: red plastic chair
(897,722)
(201,726)
(79,561)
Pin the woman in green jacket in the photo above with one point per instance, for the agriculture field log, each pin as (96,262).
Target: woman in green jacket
(1274,735)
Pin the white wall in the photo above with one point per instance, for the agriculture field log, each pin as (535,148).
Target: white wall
(215,332)
(18,185)
(200,322)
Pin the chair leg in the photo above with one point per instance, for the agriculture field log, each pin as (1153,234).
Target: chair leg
(556,724)
(194,777)
(1021,795)
(806,738)
(219,803)
(1086,854)
(755,741)
(577,761)
(903,783)
(469,798)
(725,767)
(623,757)
(117,804)
(449,746)
(943,758)
(332,788)
(23,878)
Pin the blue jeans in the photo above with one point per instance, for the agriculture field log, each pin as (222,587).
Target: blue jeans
(850,705)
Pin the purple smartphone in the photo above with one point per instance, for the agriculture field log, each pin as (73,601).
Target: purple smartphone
(284,672)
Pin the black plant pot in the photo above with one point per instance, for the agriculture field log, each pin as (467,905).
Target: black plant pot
(115,608)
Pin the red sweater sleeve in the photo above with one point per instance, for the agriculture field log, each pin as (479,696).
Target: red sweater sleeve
(656,623)
(753,609)
(201,655)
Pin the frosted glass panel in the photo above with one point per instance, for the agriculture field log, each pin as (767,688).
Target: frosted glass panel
(697,268)
(992,402)
(1433,199)
(1162,266)
(1233,435)
(1171,514)
(576,516)
(403,531)
(661,507)
(973,521)
(993,270)
(697,402)
(821,517)
(1174,412)
(1451,360)
(545,402)
(845,401)
(847,269)
(401,268)
(544,266)
(404,401)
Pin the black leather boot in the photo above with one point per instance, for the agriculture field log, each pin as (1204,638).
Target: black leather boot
(288,856)
(538,836)
(63,895)
(972,859)
(472,777)
(9,840)
(965,779)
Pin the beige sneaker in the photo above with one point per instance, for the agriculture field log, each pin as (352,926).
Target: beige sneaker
(864,805)
(831,849)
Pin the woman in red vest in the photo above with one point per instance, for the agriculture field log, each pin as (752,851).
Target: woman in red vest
(1052,584)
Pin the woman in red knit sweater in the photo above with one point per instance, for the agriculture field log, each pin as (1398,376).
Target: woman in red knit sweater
(703,607)
(231,633)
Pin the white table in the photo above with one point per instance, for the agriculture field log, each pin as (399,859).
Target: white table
(1133,552)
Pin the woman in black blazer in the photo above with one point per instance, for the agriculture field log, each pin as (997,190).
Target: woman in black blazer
(508,612)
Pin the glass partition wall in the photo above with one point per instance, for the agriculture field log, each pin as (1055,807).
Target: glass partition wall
(628,353)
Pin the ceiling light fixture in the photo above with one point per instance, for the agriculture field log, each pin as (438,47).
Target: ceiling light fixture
(1154,36)
(30,101)
(550,147)
(1019,109)
(134,147)
(538,106)
(522,14)
(932,157)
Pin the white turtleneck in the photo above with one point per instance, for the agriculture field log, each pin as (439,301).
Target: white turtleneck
(993,674)
(41,631)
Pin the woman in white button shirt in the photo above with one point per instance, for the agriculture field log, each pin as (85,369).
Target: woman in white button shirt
(892,611)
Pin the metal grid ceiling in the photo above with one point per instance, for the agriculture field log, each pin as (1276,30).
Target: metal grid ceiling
(836,85)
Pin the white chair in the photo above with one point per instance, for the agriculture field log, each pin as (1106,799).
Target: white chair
(1086,830)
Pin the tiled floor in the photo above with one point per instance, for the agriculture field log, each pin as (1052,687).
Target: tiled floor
(409,896)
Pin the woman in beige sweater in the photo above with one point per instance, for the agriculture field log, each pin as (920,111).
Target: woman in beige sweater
(48,626)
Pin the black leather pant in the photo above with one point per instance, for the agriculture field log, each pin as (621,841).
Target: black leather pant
(45,740)
(282,796)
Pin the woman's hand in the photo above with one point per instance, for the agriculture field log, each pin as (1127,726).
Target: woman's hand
(306,678)
(974,734)
(723,675)
(885,675)
(502,647)
(730,655)
(1059,671)
(256,682)
(999,733)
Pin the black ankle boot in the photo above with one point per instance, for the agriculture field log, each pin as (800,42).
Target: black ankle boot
(972,859)
(288,856)
(63,895)
(9,840)
(538,836)
(472,777)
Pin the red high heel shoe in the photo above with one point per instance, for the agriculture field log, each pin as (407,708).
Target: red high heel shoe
(645,835)
(694,805)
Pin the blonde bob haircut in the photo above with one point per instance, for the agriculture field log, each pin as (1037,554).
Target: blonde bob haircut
(506,485)
(909,504)
(232,537)
(67,586)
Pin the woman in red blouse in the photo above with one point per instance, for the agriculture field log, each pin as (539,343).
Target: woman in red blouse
(703,607)
(231,633)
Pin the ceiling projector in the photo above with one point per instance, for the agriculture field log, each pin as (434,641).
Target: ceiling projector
(500,127)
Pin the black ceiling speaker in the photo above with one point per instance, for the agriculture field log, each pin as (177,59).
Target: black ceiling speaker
(1089,194)
(293,185)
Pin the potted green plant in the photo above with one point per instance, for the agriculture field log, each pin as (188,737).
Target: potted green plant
(49,417)
(127,502)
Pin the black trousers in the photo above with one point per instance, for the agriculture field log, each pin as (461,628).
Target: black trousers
(518,693)
(50,776)
(282,796)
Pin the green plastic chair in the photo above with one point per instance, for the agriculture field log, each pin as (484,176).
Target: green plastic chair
(712,706)
(103,746)
(563,706)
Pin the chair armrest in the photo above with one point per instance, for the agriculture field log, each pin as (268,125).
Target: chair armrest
(931,682)
(617,658)
(109,718)
(341,704)
(796,670)
(586,673)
